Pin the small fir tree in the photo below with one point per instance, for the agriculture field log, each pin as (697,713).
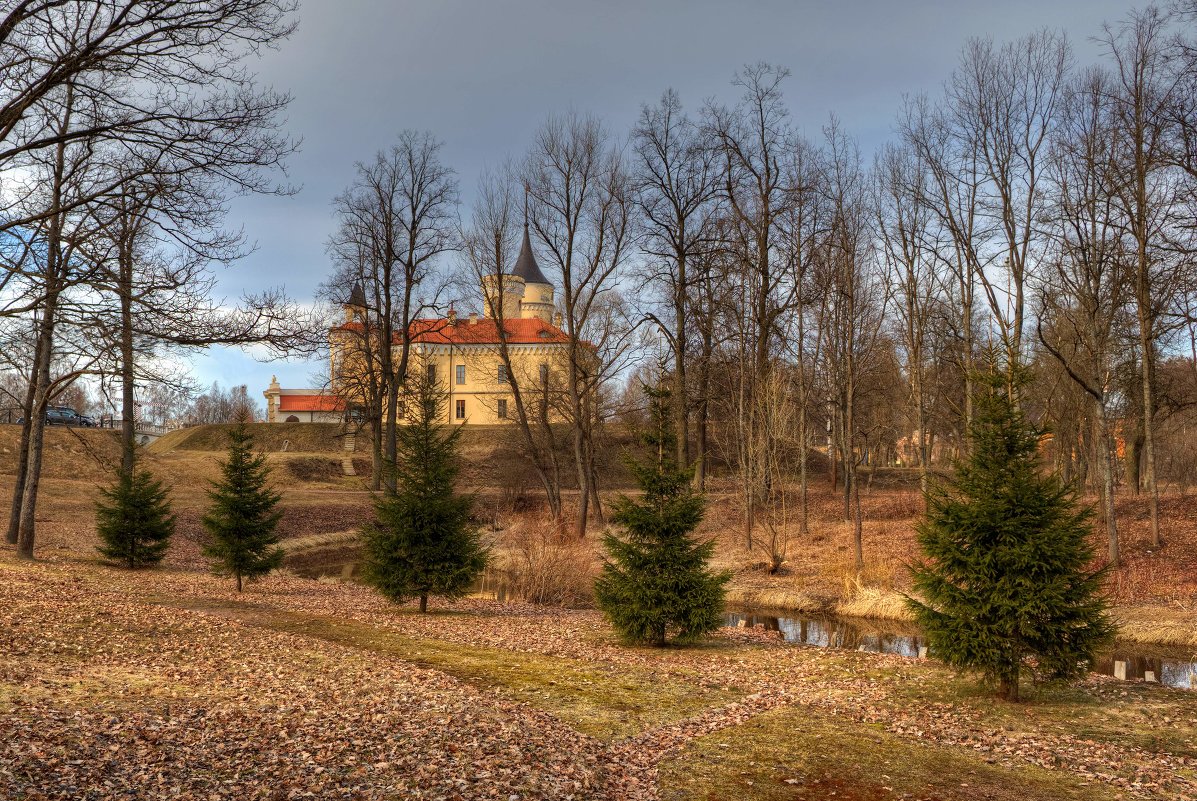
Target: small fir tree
(243,518)
(421,541)
(655,581)
(134,520)
(1005,578)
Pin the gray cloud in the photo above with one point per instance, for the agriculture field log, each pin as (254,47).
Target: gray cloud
(483,75)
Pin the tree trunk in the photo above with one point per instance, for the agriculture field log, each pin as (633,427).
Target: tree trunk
(1008,687)
(125,292)
(18,492)
(1148,397)
(583,474)
(376,452)
(1106,469)
(423,604)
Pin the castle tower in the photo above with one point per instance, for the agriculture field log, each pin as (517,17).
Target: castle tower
(538,292)
(355,307)
(506,290)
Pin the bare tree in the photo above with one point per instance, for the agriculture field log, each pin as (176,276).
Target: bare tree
(676,180)
(581,215)
(754,141)
(395,221)
(1144,93)
(1003,102)
(164,75)
(491,246)
(909,246)
(852,309)
(114,94)
(802,232)
(1090,287)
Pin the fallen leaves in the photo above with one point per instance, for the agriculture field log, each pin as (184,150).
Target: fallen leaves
(168,684)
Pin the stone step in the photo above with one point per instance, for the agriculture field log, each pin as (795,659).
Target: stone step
(350,443)
(347,467)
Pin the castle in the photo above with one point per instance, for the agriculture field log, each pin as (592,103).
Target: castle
(461,355)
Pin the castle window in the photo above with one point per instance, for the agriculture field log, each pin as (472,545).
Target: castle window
(502,411)
(461,373)
(461,410)
(502,374)
(292,419)
(544,374)
(432,374)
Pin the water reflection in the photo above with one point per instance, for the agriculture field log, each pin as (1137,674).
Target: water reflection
(1170,668)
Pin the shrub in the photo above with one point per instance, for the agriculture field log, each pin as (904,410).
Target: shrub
(422,541)
(134,520)
(1005,576)
(242,520)
(656,581)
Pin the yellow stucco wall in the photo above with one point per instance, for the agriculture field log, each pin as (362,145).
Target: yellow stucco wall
(480,390)
(476,395)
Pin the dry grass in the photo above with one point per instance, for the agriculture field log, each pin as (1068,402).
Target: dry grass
(819,573)
(1158,625)
(739,596)
(545,567)
(873,602)
(1154,590)
(268,437)
(794,753)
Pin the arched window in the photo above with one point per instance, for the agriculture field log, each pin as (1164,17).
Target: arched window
(292,419)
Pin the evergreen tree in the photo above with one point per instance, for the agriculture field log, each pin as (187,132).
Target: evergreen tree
(243,518)
(134,520)
(1005,576)
(655,581)
(421,541)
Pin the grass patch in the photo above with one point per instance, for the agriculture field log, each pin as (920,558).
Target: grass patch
(793,753)
(1155,719)
(268,437)
(605,701)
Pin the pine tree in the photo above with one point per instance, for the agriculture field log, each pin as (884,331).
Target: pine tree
(1005,578)
(655,581)
(243,518)
(421,541)
(134,520)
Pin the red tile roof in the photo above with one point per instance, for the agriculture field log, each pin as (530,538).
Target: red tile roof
(484,332)
(310,403)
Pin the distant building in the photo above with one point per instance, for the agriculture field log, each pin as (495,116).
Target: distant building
(460,354)
(302,405)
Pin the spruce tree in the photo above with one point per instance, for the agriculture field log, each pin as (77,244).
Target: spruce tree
(421,541)
(242,518)
(134,520)
(1006,578)
(655,582)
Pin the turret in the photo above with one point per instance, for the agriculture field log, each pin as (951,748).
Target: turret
(538,292)
(355,307)
(505,292)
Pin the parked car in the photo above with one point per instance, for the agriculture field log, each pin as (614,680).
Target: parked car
(65,416)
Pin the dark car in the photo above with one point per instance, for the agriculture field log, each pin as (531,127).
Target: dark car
(66,416)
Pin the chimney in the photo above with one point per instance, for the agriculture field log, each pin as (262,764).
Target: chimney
(473,318)
(452,316)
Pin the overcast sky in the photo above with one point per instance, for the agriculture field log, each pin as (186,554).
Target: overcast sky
(483,75)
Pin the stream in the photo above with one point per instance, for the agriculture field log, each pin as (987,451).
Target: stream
(1172,667)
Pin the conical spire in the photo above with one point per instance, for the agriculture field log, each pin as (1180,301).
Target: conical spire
(526,266)
(357,297)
